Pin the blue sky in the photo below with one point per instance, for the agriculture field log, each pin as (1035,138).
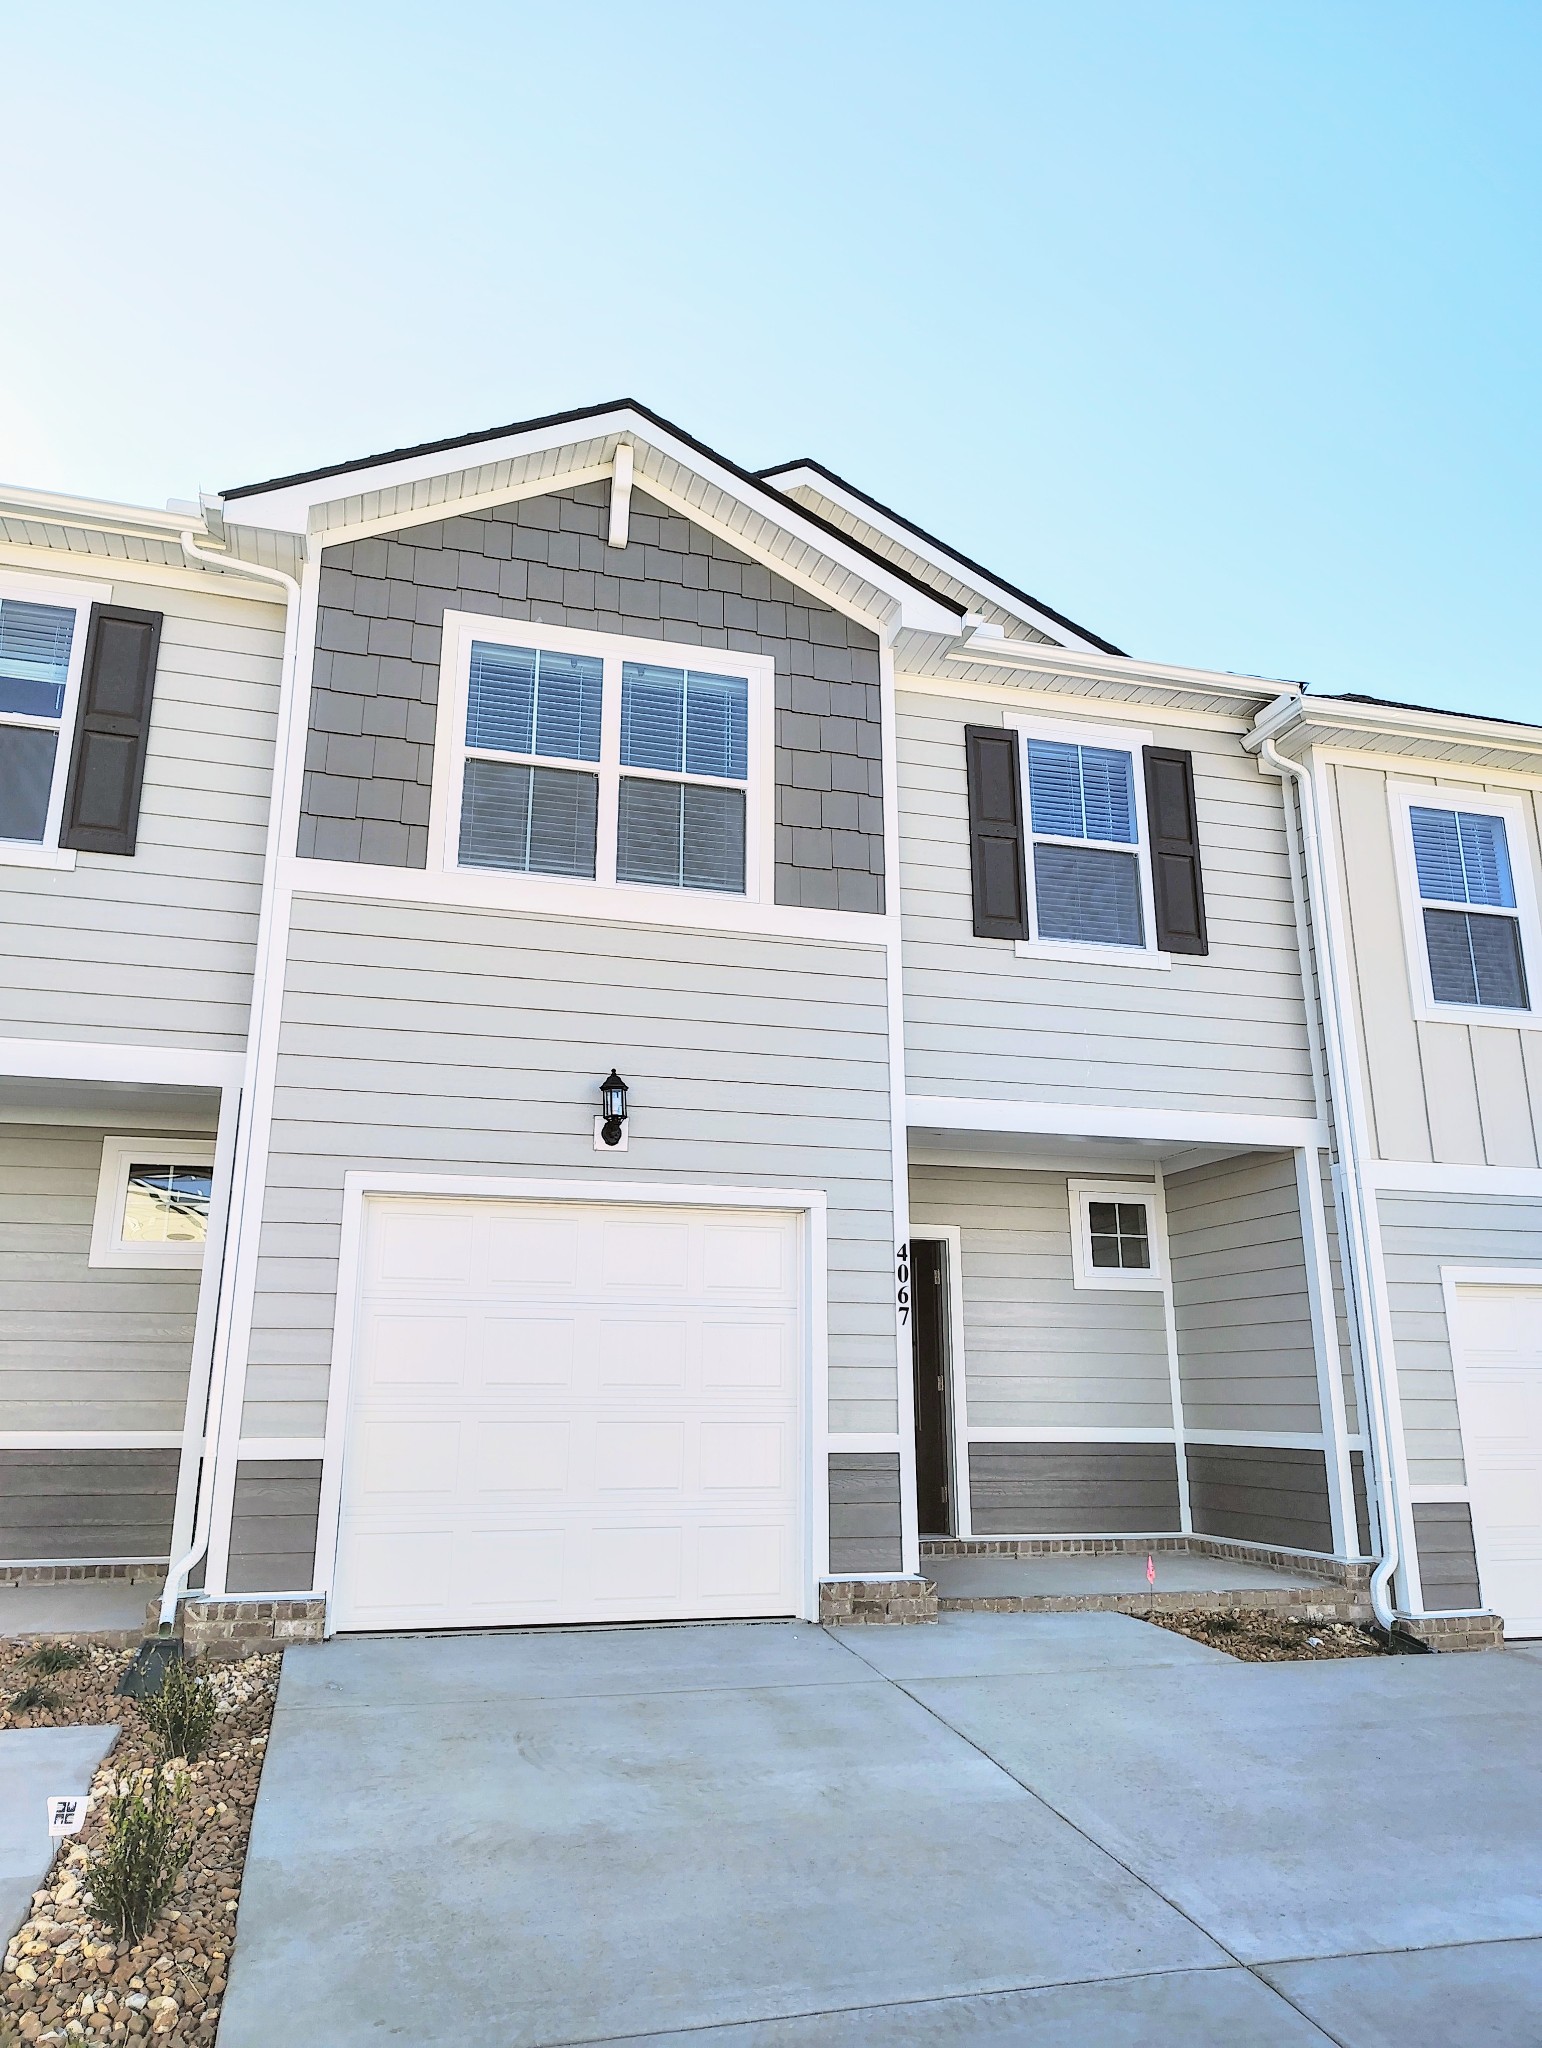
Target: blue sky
(1214,326)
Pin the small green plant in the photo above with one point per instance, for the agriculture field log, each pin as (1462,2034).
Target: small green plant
(143,1852)
(52,1658)
(181,1715)
(33,1699)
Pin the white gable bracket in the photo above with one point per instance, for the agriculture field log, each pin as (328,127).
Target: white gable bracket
(620,495)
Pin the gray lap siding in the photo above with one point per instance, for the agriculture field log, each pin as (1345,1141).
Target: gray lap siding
(469,1042)
(370,749)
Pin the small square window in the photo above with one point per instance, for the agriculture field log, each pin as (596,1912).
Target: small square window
(152,1203)
(1115,1239)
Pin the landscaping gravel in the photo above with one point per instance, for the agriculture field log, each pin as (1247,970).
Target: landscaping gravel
(65,1977)
(1260,1637)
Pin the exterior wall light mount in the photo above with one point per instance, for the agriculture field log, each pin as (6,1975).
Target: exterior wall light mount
(610,1124)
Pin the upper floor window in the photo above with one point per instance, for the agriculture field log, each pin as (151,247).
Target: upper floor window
(1475,952)
(40,648)
(1086,872)
(600,759)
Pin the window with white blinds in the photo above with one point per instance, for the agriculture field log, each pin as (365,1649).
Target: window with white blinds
(1467,901)
(38,643)
(1084,824)
(589,762)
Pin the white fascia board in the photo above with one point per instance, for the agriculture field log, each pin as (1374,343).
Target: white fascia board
(1308,721)
(290,508)
(37,1059)
(1124,668)
(60,508)
(800,477)
(1095,1120)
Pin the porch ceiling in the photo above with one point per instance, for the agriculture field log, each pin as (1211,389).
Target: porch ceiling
(130,1105)
(1036,1150)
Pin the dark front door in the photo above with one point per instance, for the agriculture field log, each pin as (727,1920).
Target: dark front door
(928,1342)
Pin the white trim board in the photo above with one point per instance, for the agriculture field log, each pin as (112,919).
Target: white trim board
(360,1186)
(1097,1120)
(1504,1183)
(90,1440)
(80,1059)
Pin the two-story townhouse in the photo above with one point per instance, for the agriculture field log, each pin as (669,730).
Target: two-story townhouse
(993,1157)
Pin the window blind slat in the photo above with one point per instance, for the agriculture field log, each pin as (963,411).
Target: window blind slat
(35,642)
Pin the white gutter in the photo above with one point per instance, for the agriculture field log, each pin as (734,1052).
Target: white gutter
(1340,1053)
(212,1396)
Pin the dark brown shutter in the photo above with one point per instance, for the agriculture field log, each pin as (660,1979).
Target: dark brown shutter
(1176,881)
(112,731)
(996,833)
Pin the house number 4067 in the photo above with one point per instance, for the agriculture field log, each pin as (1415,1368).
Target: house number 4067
(902,1281)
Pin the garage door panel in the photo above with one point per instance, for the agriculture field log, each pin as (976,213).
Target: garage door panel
(593,1415)
(645,1258)
(403,1458)
(406,1351)
(436,1245)
(639,1352)
(514,1350)
(748,1357)
(746,1259)
(513,1459)
(531,1251)
(640,1561)
(749,1457)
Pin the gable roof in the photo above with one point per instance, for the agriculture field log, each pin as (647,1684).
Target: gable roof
(938,549)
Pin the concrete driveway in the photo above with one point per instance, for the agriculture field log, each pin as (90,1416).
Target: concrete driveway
(1036,1829)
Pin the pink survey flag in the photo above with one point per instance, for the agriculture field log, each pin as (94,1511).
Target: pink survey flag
(1150,1569)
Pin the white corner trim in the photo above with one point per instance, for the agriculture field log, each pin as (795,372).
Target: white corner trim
(108,1244)
(1148,1194)
(1099,1120)
(40,1059)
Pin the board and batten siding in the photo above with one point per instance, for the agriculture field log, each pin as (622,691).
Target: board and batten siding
(1227,1032)
(158,949)
(470,1042)
(1420,1233)
(1245,1349)
(1456,1094)
(82,1347)
(1040,1351)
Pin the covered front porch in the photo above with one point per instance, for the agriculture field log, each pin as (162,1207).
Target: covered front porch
(1132,1345)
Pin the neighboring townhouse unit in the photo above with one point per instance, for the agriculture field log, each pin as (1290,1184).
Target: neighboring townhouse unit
(592,1036)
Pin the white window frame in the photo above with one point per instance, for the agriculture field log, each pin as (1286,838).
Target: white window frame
(1083,1193)
(67,596)
(1514,809)
(1120,739)
(629,899)
(108,1247)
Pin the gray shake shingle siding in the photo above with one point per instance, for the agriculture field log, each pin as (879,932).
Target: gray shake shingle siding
(370,749)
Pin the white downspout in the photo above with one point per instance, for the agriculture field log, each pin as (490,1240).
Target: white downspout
(213,1393)
(1339,1053)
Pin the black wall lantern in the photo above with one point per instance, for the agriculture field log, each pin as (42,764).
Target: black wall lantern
(612,1107)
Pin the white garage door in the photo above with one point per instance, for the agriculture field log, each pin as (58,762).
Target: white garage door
(1498,1339)
(571,1412)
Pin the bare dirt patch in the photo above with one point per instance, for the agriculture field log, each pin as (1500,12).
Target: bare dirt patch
(1260,1637)
(65,1976)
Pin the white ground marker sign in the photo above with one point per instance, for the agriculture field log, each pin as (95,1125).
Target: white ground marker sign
(67,1813)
